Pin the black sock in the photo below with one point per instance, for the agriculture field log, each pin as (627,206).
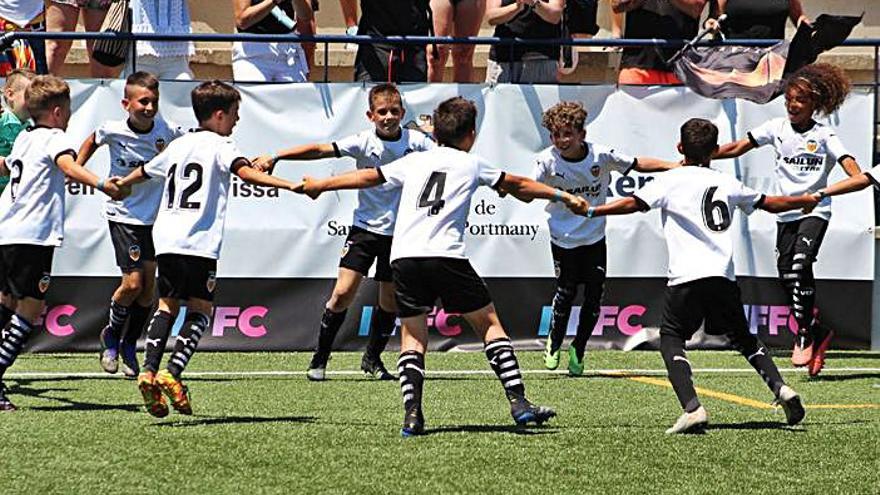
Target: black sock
(137,319)
(381,328)
(563,299)
(586,324)
(5,316)
(14,337)
(194,326)
(330,323)
(500,354)
(760,359)
(411,368)
(116,320)
(679,370)
(157,337)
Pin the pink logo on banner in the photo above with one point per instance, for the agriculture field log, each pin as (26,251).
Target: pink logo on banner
(447,325)
(248,321)
(57,320)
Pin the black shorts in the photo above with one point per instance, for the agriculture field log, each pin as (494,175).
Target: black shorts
(185,277)
(26,270)
(133,245)
(581,264)
(362,247)
(581,16)
(388,63)
(715,300)
(800,239)
(419,282)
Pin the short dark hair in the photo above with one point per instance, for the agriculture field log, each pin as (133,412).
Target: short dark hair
(454,119)
(211,96)
(384,90)
(142,79)
(699,139)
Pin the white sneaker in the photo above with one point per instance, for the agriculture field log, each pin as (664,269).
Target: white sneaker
(316,374)
(694,422)
(791,405)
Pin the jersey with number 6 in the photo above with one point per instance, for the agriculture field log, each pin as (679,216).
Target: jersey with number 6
(696,207)
(435,199)
(32,205)
(196,169)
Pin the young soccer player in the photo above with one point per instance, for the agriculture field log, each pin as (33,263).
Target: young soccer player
(577,243)
(696,205)
(369,239)
(32,214)
(428,255)
(806,151)
(132,143)
(15,114)
(188,232)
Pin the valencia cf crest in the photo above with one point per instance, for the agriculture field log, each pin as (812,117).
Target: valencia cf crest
(345,249)
(134,252)
(595,170)
(557,268)
(812,146)
(211,284)
(160,144)
(43,285)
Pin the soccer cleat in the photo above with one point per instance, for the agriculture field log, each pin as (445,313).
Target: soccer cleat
(524,412)
(791,405)
(109,351)
(373,366)
(802,353)
(317,367)
(175,390)
(153,399)
(130,367)
(551,357)
(575,365)
(6,405)
(823,342)
(413,423)
(692,422)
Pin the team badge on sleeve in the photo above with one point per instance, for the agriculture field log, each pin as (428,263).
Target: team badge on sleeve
(134,252)
(44,282)
(812,146)
(211,284)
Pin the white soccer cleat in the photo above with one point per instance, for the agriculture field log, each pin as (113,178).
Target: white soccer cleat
(791,405)
(693,422)
(316,374)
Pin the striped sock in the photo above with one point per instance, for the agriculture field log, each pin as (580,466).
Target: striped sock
(500,354)
(411,368)
(157,337)
(194,326)
(12,341)
(117,319)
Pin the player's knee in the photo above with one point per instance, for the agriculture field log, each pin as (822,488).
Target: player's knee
(462,54)
(341,299)
(132,286)
(439,53)
(565,295)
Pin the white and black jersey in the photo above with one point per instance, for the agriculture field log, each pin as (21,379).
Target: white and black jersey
(129,149)
(32,205)
(803,161)
(588,178)
(377,206)
(196,170)
(697,206)
(435,197)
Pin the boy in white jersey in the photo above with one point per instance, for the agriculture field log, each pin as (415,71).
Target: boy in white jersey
(577,243)
(696,205)
(369,239)
(428,255)
(132,143)
(196,170)
(806,151)
(32,214)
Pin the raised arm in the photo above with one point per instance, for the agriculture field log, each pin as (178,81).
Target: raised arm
(315,151)
(778,204)
(622,206)
(525,189)
(251,175)
(852,184)
(78,173)
(649,164)
(86,151)
(356,179)
(246,15)
(734,149)
(550,11)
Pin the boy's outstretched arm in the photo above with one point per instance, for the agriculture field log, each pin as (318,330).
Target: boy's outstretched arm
(314,151)
(650,164)
(86,150)
(850,166)
(78,173)
(525,189)
(778,204)
(851,184)
(734,149)
(251,175)
(623,206)
(356,179)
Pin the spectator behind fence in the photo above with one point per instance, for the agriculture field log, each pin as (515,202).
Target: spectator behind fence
(385,62)
(755,19)
(276,61)
(529,19)
(579,21)
(22,15)
(662,19)
(61,15)
(164,59)
(461,18)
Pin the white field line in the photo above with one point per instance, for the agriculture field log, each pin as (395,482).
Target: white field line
(488,372)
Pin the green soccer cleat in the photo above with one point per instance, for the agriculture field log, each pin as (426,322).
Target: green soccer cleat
(551,358)
(575,365)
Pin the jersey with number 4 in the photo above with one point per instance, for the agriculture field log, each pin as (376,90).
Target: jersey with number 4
(435,198)
(129,149)
(196,169)
(696,207)
(377,206)
(32,205)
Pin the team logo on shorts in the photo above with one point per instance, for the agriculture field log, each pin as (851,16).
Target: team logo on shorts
(345,248)
(812,146)
(160,144)
(211,284)
(595,170)
(557,268)
(134,252)
(44,282)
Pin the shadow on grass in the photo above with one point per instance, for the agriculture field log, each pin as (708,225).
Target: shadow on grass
(234,420)
(511,429)
(843,378)
(65,404)
(754,425)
